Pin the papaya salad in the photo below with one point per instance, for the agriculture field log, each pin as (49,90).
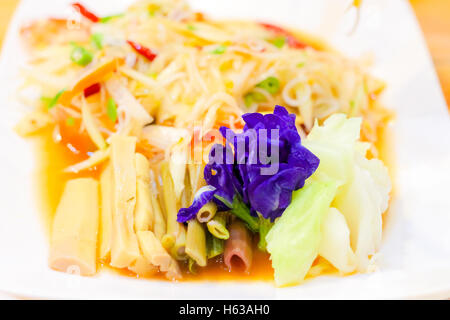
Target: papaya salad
(182,147)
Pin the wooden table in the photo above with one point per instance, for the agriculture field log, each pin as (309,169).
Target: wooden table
(433,15)
(434,18)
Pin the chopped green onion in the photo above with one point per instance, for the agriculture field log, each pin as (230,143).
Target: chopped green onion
(279,42)
(191,27)
(219,50)
(108,18)
(54,101)
(81,56)
(111,110)
(70,121)
(271,85)
(253,97)
(97,40)
(218,226)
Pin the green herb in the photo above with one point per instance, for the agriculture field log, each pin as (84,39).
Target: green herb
(70,121)
(271,85)
(264,227)
(253,97)
(191,27)
(278,42)
(81,56)
(97,40)
(108,18)
(54,101)
(219,50)
(240,210)
(111,110)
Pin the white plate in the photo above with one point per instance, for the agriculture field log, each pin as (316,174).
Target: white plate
(415,256)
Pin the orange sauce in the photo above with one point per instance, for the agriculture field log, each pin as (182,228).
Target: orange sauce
(261,270)
(52,159)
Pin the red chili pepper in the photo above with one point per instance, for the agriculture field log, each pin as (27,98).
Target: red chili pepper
(273,28)
(292,41)
(85,12)
(89,91)
(144,51)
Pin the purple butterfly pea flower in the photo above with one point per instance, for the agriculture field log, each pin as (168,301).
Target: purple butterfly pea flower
(238,170)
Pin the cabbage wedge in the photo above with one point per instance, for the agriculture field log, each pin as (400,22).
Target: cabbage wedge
(294,240)
(363,195)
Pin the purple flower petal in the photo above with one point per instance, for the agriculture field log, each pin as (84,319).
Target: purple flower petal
(219,172)
(203,196)
(236,168)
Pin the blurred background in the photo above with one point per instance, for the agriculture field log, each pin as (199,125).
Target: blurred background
(433,16)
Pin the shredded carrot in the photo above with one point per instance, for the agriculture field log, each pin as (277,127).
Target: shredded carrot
(90,77)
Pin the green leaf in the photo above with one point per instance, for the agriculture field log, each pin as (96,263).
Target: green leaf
(271,85)
(112,110)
